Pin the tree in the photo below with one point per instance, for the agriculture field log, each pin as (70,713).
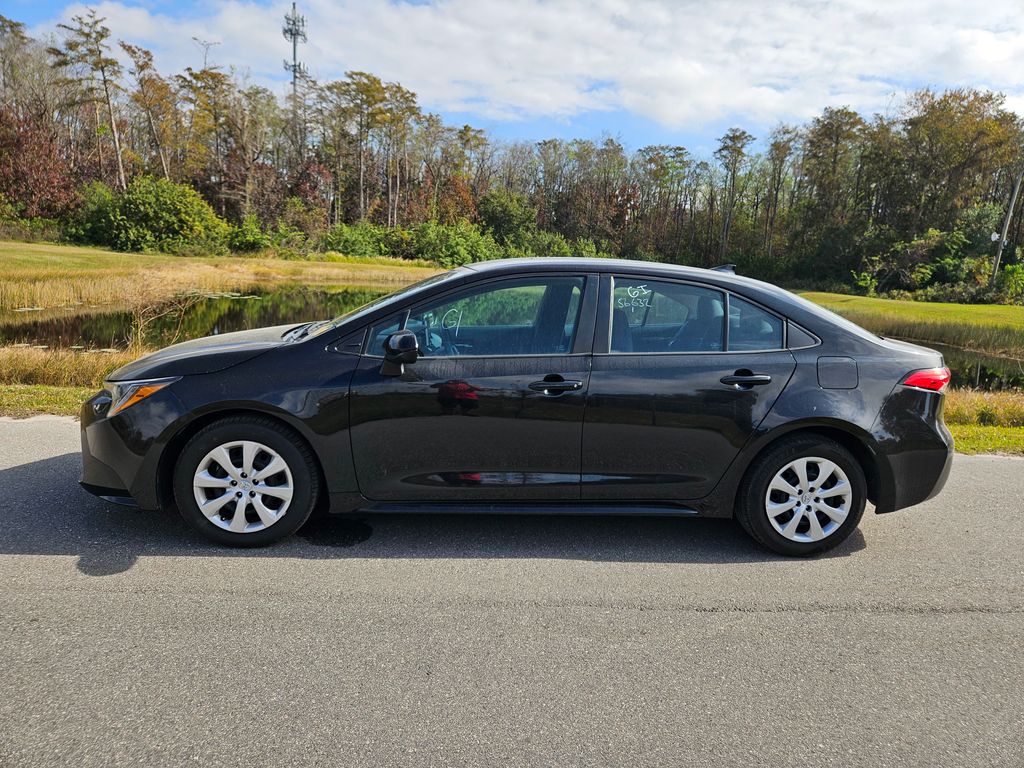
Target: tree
(365,95)
(85,49)
(730,153)
(155,97)
(780,150)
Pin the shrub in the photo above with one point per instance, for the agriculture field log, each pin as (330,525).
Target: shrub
(290,242)
(310,220)
(151,215)
(544,243)
(159,215)
(455,244)
(93,221)
(508,218)
(588,249)
(363,239)
(14,227)
(1011,280)
(248,237)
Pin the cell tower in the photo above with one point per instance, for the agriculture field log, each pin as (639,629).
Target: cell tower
(294,29)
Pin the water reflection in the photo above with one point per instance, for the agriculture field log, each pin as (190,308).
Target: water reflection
(221,313)
(980,371)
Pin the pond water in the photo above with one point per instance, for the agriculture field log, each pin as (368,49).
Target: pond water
(207,316)
(224,313)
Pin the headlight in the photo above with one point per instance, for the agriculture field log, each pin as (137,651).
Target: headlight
(124,394)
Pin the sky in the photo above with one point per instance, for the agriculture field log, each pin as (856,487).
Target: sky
(644,71)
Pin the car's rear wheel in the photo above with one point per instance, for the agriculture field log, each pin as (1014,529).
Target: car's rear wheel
(245,481)
(802,496)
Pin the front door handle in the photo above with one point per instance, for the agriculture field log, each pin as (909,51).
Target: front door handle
(746,380)
(553,384)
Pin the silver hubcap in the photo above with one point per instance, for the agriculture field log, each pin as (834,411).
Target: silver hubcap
(243,486)
(808,499)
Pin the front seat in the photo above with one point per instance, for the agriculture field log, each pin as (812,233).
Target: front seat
(622,336)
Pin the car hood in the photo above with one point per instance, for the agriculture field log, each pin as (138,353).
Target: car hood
(205,355)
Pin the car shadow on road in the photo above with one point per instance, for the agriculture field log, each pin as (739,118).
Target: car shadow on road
(44,512)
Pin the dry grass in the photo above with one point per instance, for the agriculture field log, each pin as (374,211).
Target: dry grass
(986,409)
(59,367)
(43,276)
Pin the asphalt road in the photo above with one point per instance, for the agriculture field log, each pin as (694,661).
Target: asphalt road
(127,640)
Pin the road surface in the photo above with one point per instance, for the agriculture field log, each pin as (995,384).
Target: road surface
(448,640)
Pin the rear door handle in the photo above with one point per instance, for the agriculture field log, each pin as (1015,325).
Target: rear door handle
(746,380)
(553,384)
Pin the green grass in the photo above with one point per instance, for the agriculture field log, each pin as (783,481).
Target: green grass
(971,438)
(24,400)
(994,328)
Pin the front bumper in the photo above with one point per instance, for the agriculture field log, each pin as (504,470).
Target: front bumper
(120,453)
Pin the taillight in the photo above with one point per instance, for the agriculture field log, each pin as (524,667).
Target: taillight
(932,379)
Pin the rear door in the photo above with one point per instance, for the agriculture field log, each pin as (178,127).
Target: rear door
(675,390)
(493,410)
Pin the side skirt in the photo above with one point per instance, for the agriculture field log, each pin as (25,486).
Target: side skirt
(526,508)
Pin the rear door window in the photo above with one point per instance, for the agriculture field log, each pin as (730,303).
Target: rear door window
(752,328)
(661,316)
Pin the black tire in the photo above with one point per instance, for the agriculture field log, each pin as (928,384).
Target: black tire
(751,507)
(300,463)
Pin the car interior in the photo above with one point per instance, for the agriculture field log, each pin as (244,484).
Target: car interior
(538,316)
(672,317)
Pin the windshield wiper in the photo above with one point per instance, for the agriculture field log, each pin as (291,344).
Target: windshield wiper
(304,330)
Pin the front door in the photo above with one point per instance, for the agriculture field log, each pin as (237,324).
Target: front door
(675,392)
(493,409)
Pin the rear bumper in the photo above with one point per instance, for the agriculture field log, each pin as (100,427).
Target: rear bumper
(916,449)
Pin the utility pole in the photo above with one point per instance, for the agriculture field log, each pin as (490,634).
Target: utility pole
(294,29)
(1006,226)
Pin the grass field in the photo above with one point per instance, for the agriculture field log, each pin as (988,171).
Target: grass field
(43,276)
(993,328)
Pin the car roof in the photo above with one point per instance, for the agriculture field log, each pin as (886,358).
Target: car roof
(560,264)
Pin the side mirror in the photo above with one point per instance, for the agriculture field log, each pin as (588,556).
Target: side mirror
(401,348)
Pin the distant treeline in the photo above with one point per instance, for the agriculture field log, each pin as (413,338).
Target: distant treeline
(901,202)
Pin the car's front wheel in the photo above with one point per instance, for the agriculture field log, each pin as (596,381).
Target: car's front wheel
(804,495)
(245,481)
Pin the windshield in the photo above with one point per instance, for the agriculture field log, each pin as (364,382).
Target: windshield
(381,301)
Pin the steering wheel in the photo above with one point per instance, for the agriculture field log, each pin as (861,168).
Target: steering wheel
(437,342)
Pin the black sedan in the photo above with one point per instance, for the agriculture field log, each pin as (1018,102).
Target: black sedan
(534,386)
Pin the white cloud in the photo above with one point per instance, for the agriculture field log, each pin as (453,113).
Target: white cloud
(683,64)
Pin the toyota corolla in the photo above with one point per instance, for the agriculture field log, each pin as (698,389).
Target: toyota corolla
(534,386)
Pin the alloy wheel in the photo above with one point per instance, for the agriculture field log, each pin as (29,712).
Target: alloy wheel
(808,499)
(243,486)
